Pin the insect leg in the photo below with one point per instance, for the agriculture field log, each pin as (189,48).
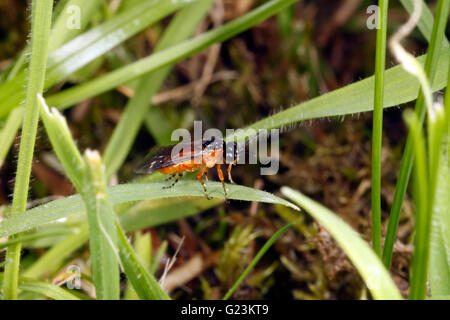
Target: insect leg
(199,178)
(170,177)
(229,173)
(177,178)
(220,173)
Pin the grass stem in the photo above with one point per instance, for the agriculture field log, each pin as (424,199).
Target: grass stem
(377,131)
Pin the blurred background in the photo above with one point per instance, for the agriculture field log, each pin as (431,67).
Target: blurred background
(307,50)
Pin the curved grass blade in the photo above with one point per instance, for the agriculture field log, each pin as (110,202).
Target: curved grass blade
(62,208)
(256,259)
(400,87)
(367,263)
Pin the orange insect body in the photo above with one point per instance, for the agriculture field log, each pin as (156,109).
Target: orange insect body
(209,160)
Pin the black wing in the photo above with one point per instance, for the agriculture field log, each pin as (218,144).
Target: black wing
(163,157)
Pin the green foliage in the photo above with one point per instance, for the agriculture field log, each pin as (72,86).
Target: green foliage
(101,214)
(361,255)
(41,18)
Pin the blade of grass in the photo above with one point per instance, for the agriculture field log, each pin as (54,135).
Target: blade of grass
(143,247)
(88,177)
(43,288)
(40,29)
(63,144)
(400,87)
(52,259)
(156,212)
(103,234)
(166,57)
(143,281)
(418,277)
(426,21)
(377,129)
(34,236)
(61,33)
(61,208)
(181,27)
(439,273)
(432,68)
(367,263)
(256,259)
(9,132)
(85,48)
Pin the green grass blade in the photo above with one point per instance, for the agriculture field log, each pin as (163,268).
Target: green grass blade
(61,33)
(422,224)
(377,129)
(88,178)
(432,70)
(400,87)
(143,282)
(85,48)
(256,259)
(146,214)
(46,289)
(103,242)
(43,288)
(143,247)
(52,259)
(63,144)
(33,237)
(40,29)
(156,212)
(367,263)
(182,26)
(426,21)
(97,41)
(166,57)
(62,208)
(439,273)
(9,132)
